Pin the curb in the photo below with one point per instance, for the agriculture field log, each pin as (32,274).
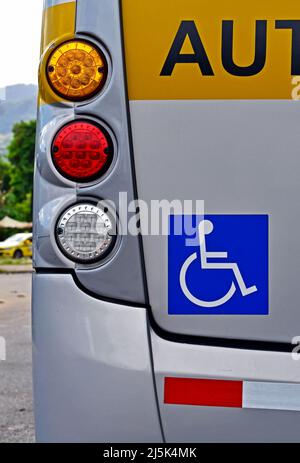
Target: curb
(6,270)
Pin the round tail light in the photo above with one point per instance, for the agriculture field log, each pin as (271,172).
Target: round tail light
(77,70)
(86,233)
(82,151)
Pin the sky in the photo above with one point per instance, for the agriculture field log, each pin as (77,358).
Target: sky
(20,32)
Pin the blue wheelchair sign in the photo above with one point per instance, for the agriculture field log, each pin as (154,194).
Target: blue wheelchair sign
(225,271)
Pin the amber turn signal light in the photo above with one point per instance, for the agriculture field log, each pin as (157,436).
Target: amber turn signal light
(77,70)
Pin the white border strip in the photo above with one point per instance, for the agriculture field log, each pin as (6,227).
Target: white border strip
(271,396)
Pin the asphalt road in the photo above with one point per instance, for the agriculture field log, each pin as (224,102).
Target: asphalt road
(16,411)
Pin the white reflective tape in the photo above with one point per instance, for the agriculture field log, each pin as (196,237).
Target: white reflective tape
(271,396)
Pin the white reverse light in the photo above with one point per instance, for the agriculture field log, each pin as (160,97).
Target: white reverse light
(86,233)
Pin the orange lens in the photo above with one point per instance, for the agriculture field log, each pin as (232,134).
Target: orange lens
(77,70)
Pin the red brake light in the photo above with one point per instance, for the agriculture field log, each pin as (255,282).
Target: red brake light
(82,151)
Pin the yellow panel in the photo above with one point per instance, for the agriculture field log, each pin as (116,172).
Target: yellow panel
(151,26)
(58,26)
(58,21)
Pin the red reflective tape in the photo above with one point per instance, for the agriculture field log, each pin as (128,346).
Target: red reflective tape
(203,392)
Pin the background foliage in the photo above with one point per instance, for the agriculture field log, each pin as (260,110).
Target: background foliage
(16,173)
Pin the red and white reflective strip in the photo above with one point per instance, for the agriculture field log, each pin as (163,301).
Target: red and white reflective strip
(233,394)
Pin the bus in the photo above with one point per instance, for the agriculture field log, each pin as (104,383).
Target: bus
(166,212)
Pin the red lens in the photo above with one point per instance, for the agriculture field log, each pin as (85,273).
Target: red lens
(82,151)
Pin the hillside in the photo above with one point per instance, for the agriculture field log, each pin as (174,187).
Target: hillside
(19,105)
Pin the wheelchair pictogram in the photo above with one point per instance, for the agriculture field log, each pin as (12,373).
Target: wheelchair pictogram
(205,228)
(218,264)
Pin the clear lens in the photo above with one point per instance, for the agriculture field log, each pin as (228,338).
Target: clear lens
(86,233)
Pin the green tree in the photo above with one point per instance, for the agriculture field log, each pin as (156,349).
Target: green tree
(4,185)
(4,175)
(20,155)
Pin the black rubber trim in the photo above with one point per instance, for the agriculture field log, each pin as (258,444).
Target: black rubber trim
(72,272)
(267,346)
(136,196)
(244,344)
(131,149)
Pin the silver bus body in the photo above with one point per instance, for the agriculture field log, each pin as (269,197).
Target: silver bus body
(108,354)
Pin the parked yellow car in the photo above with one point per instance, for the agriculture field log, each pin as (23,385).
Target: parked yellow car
(17,246)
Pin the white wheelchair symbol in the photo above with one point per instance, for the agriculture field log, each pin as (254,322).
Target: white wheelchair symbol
(206,227)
